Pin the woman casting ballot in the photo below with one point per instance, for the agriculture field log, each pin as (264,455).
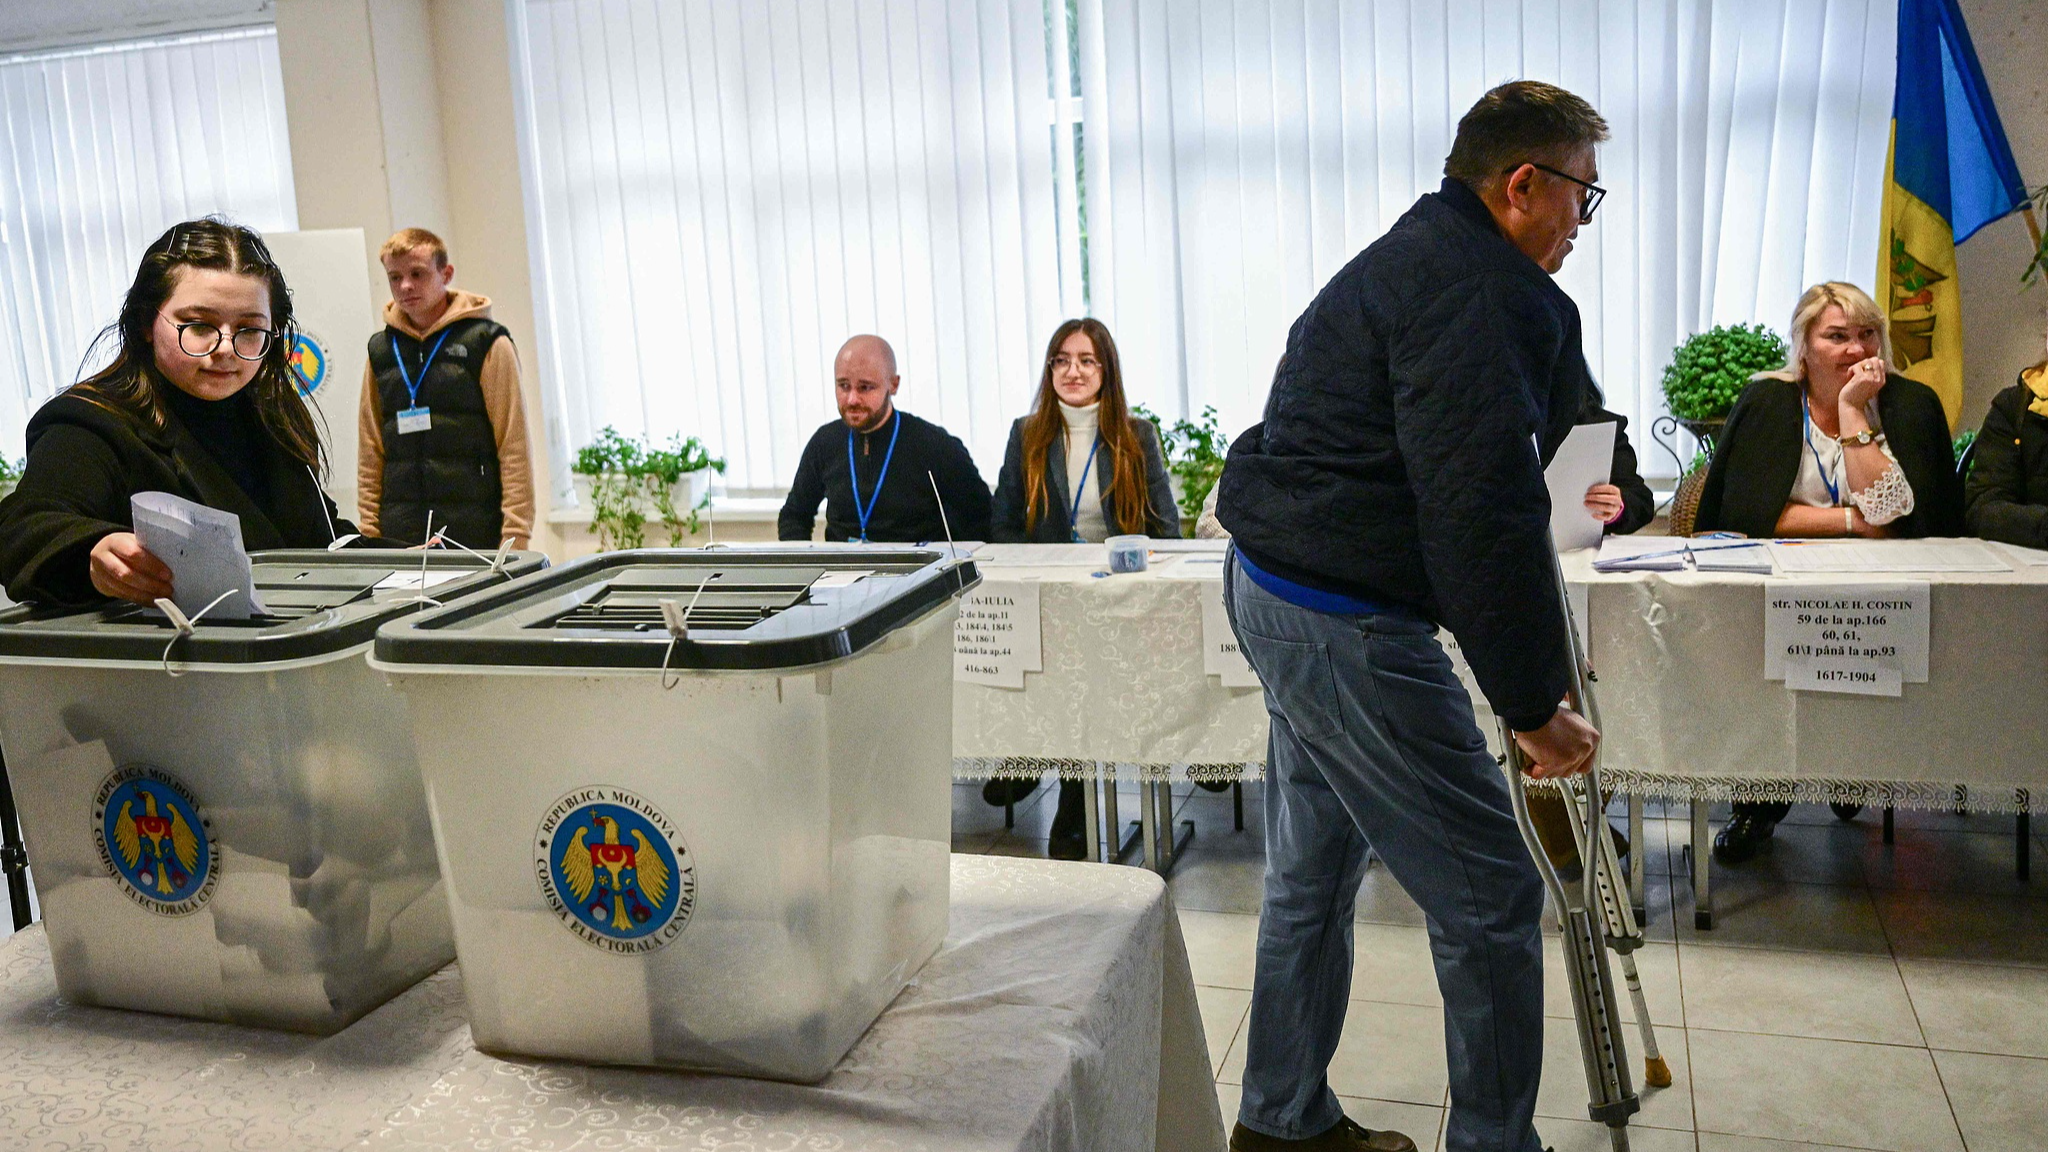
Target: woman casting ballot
(1833,444)
(198,402)
(1079,469)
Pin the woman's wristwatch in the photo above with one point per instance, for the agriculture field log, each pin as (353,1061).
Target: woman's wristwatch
(1860,438)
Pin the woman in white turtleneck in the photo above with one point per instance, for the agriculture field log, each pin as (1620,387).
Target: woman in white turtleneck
(1079,469)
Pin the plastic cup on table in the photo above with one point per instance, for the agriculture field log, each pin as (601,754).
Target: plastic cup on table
(1128,553)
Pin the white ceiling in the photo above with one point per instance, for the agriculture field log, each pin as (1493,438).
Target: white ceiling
(29,25)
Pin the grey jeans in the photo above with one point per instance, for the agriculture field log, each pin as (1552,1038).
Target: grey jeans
(1373,740)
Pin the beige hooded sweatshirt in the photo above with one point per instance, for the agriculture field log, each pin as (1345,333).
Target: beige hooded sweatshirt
(502,402)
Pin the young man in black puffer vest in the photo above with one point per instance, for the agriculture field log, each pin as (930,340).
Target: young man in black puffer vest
(442,426)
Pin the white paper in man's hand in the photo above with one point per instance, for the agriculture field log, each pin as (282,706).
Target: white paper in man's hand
(1584,459)
(203,548)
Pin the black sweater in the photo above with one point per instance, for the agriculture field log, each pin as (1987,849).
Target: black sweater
(1401,456)
(904,511)
(2006,492)
(1756,459)
(86,459)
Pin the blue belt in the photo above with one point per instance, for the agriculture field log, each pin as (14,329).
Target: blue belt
(1314,599)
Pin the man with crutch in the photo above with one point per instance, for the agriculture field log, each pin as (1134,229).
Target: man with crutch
(1396,484)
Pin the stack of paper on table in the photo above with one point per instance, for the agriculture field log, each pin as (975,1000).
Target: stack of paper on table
(1640,554)
(1885,556)
(1732,556)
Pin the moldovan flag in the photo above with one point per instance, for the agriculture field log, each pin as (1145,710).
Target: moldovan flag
(1949,173)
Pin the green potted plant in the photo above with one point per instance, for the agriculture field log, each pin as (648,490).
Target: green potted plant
(632,483)
(10,474)
(1194,459)
(1710,369)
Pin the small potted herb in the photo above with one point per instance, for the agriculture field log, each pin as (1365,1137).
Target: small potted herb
(1194,454)
(1711,369)
(633,483)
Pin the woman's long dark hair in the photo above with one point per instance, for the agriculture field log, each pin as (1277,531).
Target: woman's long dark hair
(131,383)
(1127,488)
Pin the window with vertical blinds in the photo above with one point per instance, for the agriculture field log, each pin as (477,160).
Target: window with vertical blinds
(1240,152)
(727,189)
(104,148)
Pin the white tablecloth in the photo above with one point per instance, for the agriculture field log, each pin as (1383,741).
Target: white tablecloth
(1686,710)
(1123,680)
(1060,1014)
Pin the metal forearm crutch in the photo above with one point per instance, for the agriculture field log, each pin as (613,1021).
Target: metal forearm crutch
(1599,918)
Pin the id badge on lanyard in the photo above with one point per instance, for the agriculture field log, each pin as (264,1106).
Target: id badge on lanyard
(417,418)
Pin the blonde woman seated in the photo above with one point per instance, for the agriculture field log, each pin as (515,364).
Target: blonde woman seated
(1836,443)
(1079,469)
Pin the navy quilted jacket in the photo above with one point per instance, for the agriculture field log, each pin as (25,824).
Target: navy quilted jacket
(1396,463)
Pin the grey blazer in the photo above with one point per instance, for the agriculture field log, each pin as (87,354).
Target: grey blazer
(1162,517)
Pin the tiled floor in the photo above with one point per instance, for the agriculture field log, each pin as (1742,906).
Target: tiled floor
(1852,994)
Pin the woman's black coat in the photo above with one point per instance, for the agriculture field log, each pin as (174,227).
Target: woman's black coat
(86,459)
(1162,517)
(2006,492)
(1756,459)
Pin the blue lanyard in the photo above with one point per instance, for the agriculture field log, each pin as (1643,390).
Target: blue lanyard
(1806,423)
(853,477)
(412,390)
(1081,490)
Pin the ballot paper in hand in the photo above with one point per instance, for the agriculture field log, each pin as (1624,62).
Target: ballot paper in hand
(203,548)
(1584,459)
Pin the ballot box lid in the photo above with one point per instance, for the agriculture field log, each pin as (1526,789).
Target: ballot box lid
(316,603)
(743,609)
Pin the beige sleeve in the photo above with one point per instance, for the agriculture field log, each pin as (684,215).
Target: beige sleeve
(507,409)
(369,455)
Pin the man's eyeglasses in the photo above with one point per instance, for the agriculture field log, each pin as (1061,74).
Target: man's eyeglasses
(197,338)
(1589,200)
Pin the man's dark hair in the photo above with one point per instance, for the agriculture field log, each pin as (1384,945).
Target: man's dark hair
(1519,122)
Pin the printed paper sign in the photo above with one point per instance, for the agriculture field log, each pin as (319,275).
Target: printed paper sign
(1220,654)
(995,640)
(1864,639)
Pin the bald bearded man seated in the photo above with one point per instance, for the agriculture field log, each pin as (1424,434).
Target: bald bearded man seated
(875,467)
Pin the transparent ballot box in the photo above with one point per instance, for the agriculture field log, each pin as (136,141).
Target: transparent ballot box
(229,823)
(693,807)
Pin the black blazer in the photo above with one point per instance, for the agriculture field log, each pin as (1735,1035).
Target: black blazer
(1756,460)
(85,460)
(2006,492)
(1162,516)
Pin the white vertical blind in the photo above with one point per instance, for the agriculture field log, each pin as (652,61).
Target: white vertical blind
(727,189)
(1239,152)
(103,149)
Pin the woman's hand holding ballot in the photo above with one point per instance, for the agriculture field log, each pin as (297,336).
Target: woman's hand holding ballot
(122,568)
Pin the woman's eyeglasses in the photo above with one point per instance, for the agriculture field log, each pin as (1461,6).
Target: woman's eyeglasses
(1084,363)
(197,338)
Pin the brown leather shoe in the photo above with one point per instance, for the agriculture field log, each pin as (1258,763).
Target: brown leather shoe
(1346,1136)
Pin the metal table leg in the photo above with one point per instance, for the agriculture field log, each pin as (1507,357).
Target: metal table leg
(1091,812)
(1702,851)
(1637,870)
(1148,822)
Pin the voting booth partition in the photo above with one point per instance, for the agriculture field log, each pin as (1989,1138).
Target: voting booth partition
(225,819)
(693,808)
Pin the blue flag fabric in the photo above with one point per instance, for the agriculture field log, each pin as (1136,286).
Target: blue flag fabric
(1950,148)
